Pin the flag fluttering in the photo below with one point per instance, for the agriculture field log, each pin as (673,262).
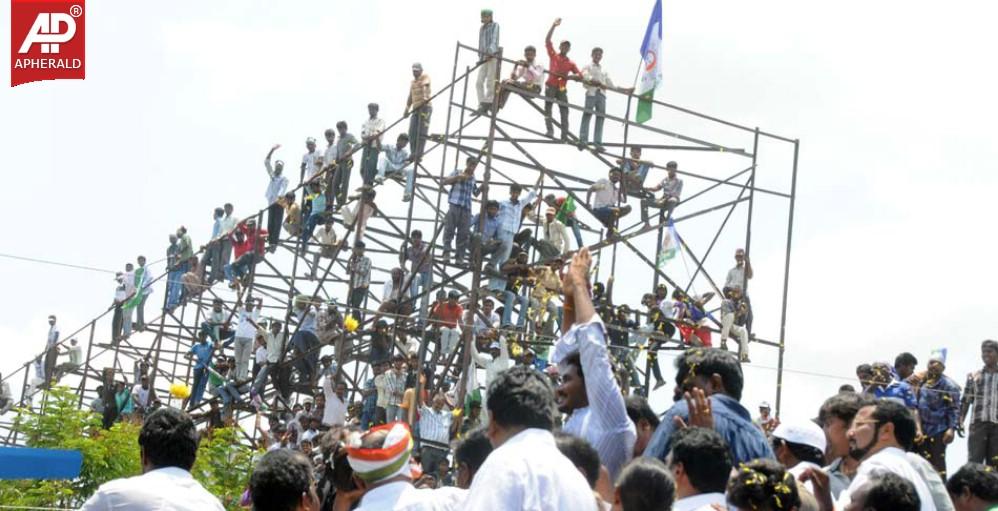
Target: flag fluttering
(670,244)
(651,66)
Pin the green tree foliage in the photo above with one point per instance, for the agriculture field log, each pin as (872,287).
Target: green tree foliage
(223,465)
(107,454)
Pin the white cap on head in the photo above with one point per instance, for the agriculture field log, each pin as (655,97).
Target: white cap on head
(805,433)
(764,404)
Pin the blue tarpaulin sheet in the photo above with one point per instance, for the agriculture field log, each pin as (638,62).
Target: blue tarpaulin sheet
(30,463)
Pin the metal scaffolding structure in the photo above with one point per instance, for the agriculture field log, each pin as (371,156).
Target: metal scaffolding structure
(729,182)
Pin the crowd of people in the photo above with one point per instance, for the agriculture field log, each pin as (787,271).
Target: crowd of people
(570,437)
(561,420)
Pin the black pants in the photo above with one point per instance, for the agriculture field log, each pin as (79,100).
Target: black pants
(275,217)
(933,449)
(982,445)
(357,296)
(557,94)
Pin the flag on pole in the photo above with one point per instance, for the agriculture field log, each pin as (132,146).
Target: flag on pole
(670,244)
(651,64)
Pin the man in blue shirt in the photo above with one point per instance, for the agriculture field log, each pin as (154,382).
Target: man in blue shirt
(489,232)
(939,412)
(201,353)
(458,219)
(719,375)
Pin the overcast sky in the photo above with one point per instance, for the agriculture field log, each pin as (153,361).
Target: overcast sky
(893,103)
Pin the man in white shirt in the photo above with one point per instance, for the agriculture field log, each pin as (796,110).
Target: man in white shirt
(370,136)
(274,339)
(596,82)
(140,395)
(275,190)
(607,194)
(496,361)
(168,446)
(75,353)
(310,161)
(434,433)
(335,411)
(876,438)
(799,445)
(555,241)
(245,333)
(527,75)
(700,464)
(51,349)
(526,470)
(588,391)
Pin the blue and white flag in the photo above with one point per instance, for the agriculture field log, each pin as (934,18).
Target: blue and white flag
(670,244)
(651,66)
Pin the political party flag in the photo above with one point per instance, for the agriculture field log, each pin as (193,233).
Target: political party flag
(670,244)
(651,67)
(566,209)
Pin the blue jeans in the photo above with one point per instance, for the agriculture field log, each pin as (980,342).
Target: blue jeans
(240,266)
(174,287)
(595,102)
(507,313)
(505,247)
(197,389)
(307,358)
(424,280)
(576,230)
(605,215)
(313,220)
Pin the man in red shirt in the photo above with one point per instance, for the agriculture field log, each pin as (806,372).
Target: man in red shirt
(446,315)
(556,85)
(248,244)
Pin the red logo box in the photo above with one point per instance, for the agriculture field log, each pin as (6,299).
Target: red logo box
(47,40)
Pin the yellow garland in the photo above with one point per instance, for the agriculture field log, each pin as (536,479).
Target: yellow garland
(350,323)
(180,390)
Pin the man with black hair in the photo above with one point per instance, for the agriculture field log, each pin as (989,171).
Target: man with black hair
(581,454)
(879,435)
(719,375)
(904,365)
(458,220)
(973,488)
(885,492)
(645,485)
(938,411)
(864,373)
(526,470)
(283,481)
(469,455)
(981,395)
(168,444)
(588,391)
(700,464)
(644,418)
(834,417)
(799,445)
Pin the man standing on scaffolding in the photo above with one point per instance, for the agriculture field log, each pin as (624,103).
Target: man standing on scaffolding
(556,87)
(488,50)
(418,104)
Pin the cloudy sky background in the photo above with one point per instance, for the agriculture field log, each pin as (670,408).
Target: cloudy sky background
(892,101)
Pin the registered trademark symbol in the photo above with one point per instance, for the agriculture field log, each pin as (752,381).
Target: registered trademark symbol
(76,11)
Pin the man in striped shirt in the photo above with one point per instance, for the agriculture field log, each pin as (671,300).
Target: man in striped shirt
(588,391)
(434,432)
(981,391)
(488,50)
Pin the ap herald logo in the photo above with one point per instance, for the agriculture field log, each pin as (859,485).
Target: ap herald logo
(46,41)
